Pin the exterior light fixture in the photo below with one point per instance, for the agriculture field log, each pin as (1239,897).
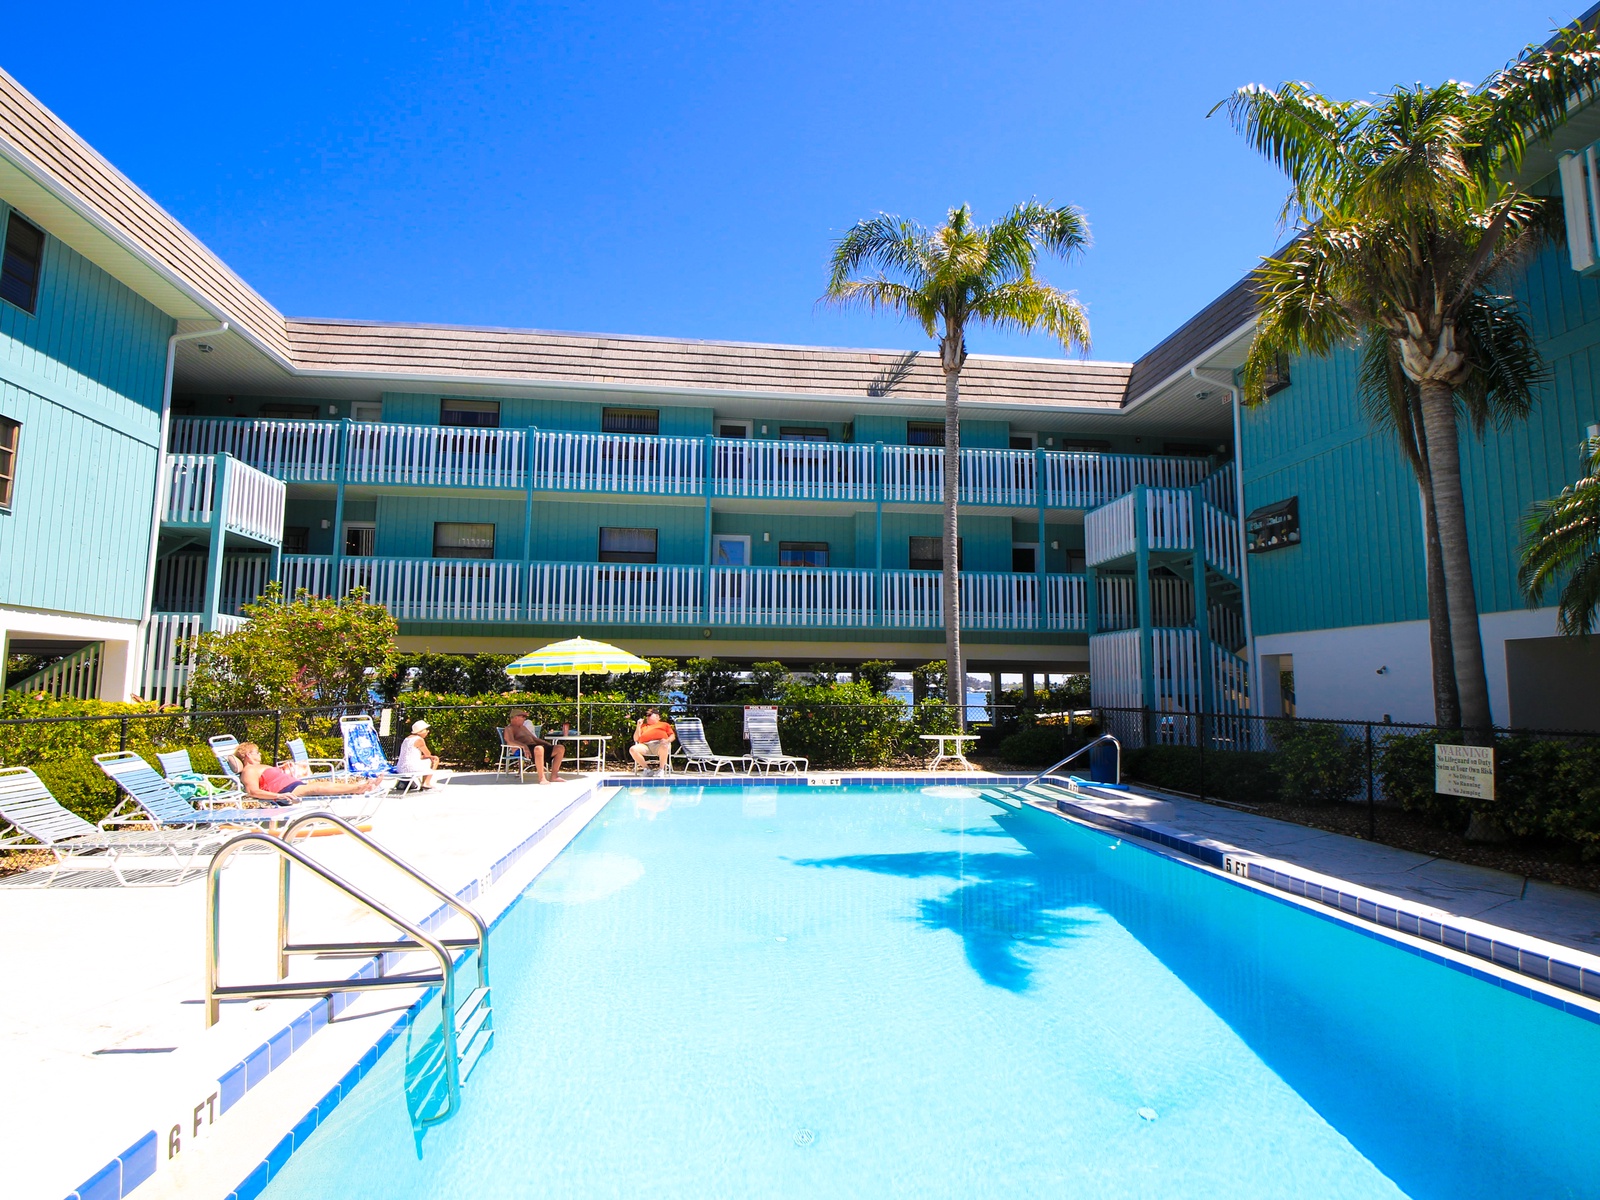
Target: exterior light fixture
(203,347)
(326,523)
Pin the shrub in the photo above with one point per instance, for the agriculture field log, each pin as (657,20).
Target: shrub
(1405,770)
(710,681)
(1038,746)
(841,724)
(1239,776)
(1318,763)
(767,680)
(877,674)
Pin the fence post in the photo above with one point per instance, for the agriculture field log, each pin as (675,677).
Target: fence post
(277,734)
(122,740)
(1372,811)
(1200,741)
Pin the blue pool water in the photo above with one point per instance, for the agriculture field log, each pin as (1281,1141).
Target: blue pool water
(820,992)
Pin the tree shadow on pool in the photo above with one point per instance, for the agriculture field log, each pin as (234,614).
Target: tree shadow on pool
(1005,906)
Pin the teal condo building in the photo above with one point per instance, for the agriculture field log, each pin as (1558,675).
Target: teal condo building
(170,443)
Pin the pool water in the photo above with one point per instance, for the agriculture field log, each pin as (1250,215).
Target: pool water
(820,992)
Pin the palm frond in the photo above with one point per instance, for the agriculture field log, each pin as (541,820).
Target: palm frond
(1562,534)
(1028,306)
(883,243)
(1507,368)
(1533,96)
(1389,398)
(1302,133)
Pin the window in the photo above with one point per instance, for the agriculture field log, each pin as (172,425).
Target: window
(927,554)
(1021,441)
(1077,563)
(924,433)
(295,412)
(1276,376)
(619,545)
(360,539)
(19,271)
(630,420)
(366,410)
(472,414)
(296,539)
(1024,558)
(454,540)
(10,439)
(730,549)
(733,429)
(1085,445)
(802,433)
(802,554)
(1185,449)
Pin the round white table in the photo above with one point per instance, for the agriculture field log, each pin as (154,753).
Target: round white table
(957,755)
(598,758)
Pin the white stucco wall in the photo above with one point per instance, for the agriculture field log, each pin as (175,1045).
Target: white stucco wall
(1336,671)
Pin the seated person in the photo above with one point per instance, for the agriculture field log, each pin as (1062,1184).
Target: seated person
(652,732)
(520,733)
(415,757)
(277,786)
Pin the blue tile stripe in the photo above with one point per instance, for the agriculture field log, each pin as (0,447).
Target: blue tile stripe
(137,1163)
(1507,954)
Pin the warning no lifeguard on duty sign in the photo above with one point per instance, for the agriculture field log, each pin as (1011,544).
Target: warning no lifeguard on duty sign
(1464,771)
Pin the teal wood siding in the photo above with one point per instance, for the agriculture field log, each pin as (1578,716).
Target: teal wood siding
(891,431)
(571,532)
(838,532)
(405,523)
(1066,537)
(309,515)
(1360,560)
(985,541)
(579,416)
(78,534)
(83,374)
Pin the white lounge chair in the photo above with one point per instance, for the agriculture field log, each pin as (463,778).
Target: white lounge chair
(178,768)
(696,752)
(766,751)
(300,758)
(153,799)
(32,819)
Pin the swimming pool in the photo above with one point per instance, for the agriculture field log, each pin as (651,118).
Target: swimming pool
(769,991)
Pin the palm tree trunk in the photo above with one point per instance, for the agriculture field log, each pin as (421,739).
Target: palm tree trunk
(955,676)
(1450,511)
(1446,700)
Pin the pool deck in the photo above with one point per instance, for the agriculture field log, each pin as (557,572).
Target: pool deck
(116,1086)
(102,1026)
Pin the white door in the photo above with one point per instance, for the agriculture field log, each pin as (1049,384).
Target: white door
(730,550)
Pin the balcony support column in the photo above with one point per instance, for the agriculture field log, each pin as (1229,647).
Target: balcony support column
(1202,606)
(1091,600)
(527,533)
(341,469)
(877,534)
(1041,616)
(705,581)
(220,486)
(1141,589)
(275,571)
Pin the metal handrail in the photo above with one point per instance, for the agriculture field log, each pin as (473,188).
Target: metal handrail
(1084,749)
(383,852)
(216,992)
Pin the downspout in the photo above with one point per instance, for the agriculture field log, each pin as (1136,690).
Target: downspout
(161,482)
(1224,379)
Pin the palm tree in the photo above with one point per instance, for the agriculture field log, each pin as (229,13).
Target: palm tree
(1411,223)
(946,279)
(1565,533)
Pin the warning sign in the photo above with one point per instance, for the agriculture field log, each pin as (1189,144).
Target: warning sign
(1464,771)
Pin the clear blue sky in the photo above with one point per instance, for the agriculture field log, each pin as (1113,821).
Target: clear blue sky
(682,169)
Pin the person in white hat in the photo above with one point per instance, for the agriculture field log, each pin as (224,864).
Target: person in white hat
(415,757)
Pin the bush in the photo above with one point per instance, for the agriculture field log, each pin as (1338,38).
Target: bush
(462,728)
(1238,776)
(877,674)
(1038,746)
(1318,763)
(841,724)
(1405,770)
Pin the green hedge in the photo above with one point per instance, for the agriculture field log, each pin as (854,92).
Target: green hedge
(1240,776)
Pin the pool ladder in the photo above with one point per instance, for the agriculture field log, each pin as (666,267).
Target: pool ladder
(1014,795)
(465,1032)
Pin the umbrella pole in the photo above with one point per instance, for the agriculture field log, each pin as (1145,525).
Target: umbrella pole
(579,677)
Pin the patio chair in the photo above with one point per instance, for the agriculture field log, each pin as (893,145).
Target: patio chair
(202,789)
(364,756)
(32,819)
(766,751)
(696,752)
(511,754)
(300,757)
(149,798)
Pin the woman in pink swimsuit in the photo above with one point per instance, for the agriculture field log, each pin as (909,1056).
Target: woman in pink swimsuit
(278,786)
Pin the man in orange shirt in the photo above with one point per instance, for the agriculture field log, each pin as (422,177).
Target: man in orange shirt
(652,731)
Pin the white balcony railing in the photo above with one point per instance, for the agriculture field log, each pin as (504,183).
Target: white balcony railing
(1065,608)
(1108,531)
(999,600)
(792,597)
(913,474)
(181,582)
(255,501)
(295,451)
(792,470)
(438,589)
(618,462)
(615,594)
(1087,480)
(436,456)
(1221,541)
(1005,477)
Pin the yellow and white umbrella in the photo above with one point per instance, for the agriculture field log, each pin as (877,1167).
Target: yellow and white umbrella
(580,657)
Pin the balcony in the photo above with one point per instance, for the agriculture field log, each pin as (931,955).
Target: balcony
(626,464)
(493,591)
(204,490)
(1162,519)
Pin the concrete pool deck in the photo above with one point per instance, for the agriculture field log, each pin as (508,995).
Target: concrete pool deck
(102,1024)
